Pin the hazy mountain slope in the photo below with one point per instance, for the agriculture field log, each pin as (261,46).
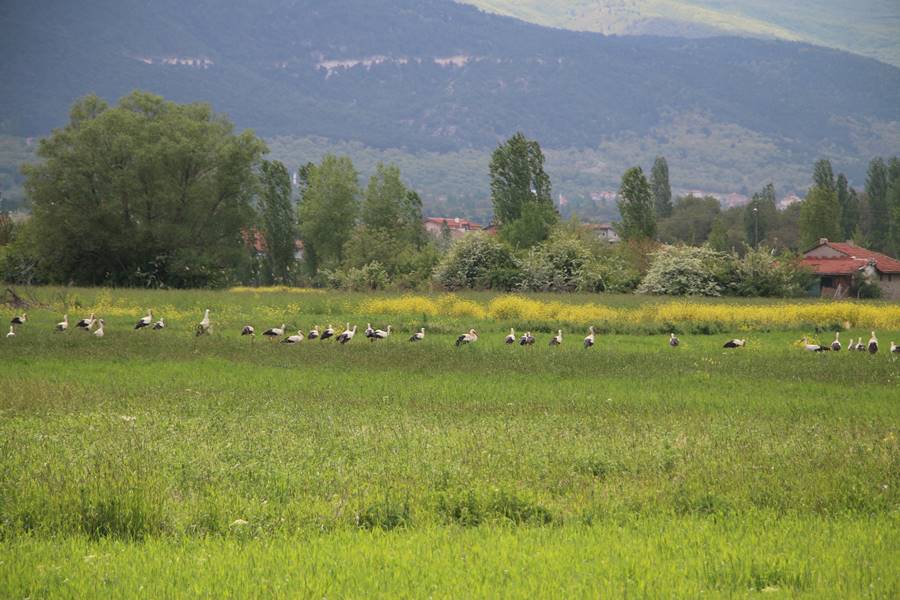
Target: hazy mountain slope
(440,77)
(867,27)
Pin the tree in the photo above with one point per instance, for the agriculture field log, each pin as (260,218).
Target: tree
(148,192)
(636,206)
(328,210)
(662,191)
(849,207)
(876,191)
(691,220)
(823,176)
(718,236)
(820,216)
(893,204)
(785,235)
(521,189)
(279,223)
(389,206)
(760,215)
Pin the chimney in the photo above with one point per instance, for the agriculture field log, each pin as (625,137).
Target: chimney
(823,241)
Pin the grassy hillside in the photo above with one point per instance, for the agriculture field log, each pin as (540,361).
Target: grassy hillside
(868,27)
(161,464)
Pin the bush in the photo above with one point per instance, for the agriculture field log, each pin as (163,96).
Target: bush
(559,264)
(474,261)
(19,261)
(687,271)
(760,273)
(371,276)
(862,286)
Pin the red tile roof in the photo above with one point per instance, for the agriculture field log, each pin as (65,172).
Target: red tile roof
(854,258)
(454,223)
(834,266)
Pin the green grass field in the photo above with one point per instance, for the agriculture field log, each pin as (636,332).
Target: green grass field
(160,464)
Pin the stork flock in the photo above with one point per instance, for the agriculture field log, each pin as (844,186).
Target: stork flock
(204,327)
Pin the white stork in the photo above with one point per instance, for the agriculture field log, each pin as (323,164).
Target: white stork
(274,332)
(380,334)
(64,324)
(836,344)
(19,319)
(895,349)
(369,331)
(145,321)
(99,332)
(248,330)
(86,323)
(860,347)
(589,339)
(469,337)
(418,336)
(159,325)
(329,332)
(347,335)
(556,340)
(204,326)
(527,339)
(735,343)
(511,338)
(673,341)
(314,333)
(812,347)
(12,331)
(872,346)
(293,339)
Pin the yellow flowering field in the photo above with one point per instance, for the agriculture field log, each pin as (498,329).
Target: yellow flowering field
(676,313)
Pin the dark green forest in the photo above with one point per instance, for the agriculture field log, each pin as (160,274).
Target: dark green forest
(436,76)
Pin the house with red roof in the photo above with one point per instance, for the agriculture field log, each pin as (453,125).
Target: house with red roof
(256,241)
(458,227)
(835,264)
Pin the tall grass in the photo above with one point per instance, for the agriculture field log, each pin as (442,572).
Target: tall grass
(627,467)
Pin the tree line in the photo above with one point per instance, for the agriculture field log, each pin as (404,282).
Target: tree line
(158,194)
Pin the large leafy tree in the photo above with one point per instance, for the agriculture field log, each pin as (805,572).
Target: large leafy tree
(328,209)
(691,220)
(636,206)
(820,216)
(279,219)
(391,232)
(390,206)
(520,191)
(145,193)
(760,215)
(662,191)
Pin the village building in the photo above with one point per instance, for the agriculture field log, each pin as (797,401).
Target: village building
(604,231)
(457,227)
(836,263)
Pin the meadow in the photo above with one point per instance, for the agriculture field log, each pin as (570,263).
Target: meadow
(162,464)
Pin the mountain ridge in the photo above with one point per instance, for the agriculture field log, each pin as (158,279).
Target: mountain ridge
(867,27)
(440,77)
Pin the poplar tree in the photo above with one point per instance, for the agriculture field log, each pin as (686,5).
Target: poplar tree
(662,191)
(636,206)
